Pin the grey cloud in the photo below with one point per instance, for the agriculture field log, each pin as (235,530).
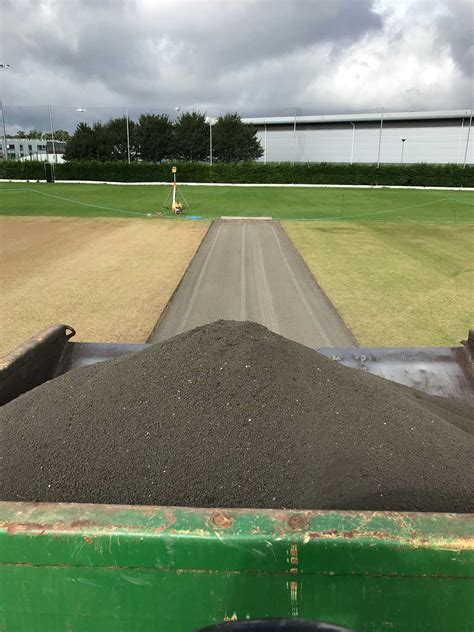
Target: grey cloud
(259,55)
(119,42)
(457,29)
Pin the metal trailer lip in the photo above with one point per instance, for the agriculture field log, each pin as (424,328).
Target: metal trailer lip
(250,540)
(444,371)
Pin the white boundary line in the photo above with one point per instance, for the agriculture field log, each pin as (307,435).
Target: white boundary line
(229,184)
(104,208)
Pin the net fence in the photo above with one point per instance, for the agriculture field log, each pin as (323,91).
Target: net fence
(293,133)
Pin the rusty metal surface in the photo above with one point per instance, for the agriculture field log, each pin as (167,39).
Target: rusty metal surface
(442,531)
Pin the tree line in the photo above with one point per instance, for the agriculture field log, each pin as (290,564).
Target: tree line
(35,134)
(154,137)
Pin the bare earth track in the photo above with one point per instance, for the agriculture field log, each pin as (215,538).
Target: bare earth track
(249,270)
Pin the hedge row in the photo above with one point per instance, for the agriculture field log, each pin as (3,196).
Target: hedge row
(421,174)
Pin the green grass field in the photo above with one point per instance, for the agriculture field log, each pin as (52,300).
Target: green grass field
(394,284)
(391,260)
(100,200)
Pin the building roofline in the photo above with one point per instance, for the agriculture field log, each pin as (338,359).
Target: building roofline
(353,118)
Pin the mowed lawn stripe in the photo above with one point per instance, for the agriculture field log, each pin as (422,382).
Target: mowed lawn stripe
(394,285)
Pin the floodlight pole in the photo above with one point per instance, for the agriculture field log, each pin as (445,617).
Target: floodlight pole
(50,109)
(295,139)
(460,140)
(5,155)
(403,148)
(467,140)
(265,145)
(5,150)
(353,141)
(380,139)
(128,135)
(210,141)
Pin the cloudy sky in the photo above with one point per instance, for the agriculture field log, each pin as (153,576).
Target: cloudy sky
(245,55)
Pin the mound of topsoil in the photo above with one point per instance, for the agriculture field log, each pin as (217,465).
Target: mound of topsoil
(233,415)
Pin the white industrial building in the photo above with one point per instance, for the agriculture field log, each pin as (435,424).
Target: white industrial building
(383,137)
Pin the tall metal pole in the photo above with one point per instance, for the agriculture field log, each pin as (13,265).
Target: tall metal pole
(460,141)
(210,141)
(294,136)
(128,135)
(5,149)
(5,155)
(467,140)
(380,139)
(353,141)
(52,132)
(265,145)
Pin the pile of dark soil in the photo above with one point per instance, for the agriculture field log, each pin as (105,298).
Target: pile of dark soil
(232,415)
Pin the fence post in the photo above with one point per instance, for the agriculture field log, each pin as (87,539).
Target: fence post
(467,140)
(50,109)
(380,139)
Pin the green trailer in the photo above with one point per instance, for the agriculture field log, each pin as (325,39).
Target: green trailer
(77,567)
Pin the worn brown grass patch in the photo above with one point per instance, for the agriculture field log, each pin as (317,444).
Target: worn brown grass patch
(108,278)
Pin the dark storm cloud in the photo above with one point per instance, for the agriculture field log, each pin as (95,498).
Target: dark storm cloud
(457,28)
(133,47)
(263,55)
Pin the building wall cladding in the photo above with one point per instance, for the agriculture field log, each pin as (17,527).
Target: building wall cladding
(433,141)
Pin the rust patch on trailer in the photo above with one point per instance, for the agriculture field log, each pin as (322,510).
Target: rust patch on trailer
(13,528)
(411,539)
(348,535)
(62,526)
(297,522)
(221,521)
(81,524)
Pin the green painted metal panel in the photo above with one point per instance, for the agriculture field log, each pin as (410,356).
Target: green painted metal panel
(97,567)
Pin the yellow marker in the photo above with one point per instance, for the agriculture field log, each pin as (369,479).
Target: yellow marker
(173,169)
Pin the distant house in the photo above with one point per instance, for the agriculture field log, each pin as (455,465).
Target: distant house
(34,149)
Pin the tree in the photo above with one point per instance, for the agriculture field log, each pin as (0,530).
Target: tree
(191,137)
(101,141)
(84,143)
(154,137)
(234,140)
(20,134)
(59,134)
(114,139)
(35,134)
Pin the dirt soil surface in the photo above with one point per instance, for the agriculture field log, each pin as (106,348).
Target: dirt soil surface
(108,278)
(233,415)
(250,270)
